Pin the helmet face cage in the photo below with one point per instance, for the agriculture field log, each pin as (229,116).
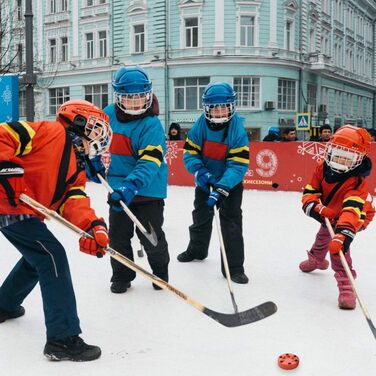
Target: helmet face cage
(210,108)
(341,158)
(134,103)
(98,134)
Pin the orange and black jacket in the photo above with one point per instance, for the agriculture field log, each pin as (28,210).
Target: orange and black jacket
(45,151)
(346,194)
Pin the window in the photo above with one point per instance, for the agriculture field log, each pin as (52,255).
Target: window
(289,35)
(191,32)
(247,31)
(19,55)
(52,50)
(64,49)
(97,94)
(248,90)
(188,92)
(89,45)
(312,96)
(57,97)
(286,94)
(139,38)
(312,40)
(338,103)
(89,3)
(102,35)
(19,10)
(64,5)
(22,103)
(52,5)
(102,1)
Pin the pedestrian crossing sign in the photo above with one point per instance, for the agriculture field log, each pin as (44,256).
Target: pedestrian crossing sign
(303,121)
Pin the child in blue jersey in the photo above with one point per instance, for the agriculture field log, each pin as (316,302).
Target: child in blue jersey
(216,151)
(137,173)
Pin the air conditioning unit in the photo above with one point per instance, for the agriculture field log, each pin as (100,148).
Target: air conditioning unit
(269,105)
(322,108)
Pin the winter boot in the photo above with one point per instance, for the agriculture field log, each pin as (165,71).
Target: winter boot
(312,264)
(346,298)
(6,315)
(120,287)
(188,256)
(163,276)
(71,348)
(240,278)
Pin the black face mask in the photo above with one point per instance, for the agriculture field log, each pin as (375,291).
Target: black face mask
(79,150)
(216,126)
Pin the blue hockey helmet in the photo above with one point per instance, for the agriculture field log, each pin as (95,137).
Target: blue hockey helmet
(219,94)
(133,90)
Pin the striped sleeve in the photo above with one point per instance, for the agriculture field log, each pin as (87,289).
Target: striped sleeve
(191,148)
(23,135)
(240,155)
(152,153)
(74,193)
(354,204)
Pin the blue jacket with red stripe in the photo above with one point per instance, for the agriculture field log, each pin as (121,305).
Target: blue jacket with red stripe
(224,152)
(137,153)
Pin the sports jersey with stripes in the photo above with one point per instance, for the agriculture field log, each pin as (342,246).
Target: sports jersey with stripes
(224,152)
(137,153)
(50,169)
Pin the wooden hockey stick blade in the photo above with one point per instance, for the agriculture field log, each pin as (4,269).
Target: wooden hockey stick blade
(230,320)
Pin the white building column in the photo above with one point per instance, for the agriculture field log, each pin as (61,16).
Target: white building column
(273,24)
(219,37)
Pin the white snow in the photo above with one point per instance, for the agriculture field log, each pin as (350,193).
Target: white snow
(146,332)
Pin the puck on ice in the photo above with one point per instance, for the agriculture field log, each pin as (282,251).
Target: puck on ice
(288,361)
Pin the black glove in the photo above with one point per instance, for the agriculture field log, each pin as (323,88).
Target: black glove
(217,196)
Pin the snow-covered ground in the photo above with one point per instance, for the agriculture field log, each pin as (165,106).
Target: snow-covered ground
(146,332)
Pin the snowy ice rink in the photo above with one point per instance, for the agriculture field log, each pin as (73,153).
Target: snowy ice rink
(146,332)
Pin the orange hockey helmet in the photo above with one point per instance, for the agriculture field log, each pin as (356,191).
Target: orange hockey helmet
(347,148)
(87,121)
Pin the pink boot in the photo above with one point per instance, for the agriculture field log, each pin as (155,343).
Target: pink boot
(346,298)
(312,264)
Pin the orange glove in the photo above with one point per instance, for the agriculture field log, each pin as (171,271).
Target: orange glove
(341,240)
(94,246)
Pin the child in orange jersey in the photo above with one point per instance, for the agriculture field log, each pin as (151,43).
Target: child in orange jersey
(43,159)
(338,191)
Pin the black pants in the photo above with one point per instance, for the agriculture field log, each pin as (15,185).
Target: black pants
(122,230)
(231,219)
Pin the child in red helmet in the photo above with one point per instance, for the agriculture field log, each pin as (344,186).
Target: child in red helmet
(338,191)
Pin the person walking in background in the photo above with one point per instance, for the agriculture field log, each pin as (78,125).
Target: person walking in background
(137,173)
(46,160)
(174,132)
(216,151)
(338,191)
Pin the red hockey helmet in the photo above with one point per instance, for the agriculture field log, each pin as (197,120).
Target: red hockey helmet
(347,148)
(87,121)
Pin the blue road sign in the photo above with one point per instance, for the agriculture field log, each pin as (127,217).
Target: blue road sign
(9,110)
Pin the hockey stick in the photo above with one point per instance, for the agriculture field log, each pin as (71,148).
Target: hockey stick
(230,320)
(151,236)
(224,258)
(352,281)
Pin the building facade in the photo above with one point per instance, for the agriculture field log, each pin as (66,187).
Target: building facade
(282,57)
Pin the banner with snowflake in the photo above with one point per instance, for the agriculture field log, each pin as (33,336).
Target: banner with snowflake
(285,166)
(9,98)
